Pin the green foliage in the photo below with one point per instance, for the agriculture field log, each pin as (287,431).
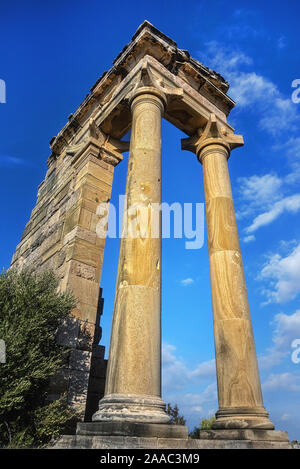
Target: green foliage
(31,310)
(174,413)
(205,424)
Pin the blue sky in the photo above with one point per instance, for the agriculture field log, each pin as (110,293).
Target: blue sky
(53,52)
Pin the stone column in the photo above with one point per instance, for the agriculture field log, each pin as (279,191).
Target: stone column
(239,390)
(133,382)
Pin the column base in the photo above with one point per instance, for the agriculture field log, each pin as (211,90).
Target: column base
(132,429)
(243,418)
(248,434)
(131,408)
(88,438)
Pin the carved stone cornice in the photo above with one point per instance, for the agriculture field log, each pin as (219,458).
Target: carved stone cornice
(204,91)
(147,80)
(108,148)
(213,133)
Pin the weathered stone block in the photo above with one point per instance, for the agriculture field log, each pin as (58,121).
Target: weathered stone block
(68,332)
(59,382)
(80,360)
(123,428)
(86,335)
(78,385)
(247,434)
(123,442)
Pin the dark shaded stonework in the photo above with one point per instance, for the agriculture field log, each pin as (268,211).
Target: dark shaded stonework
(84,373)
(96,384)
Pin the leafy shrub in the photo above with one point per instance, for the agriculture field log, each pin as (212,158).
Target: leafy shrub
(31,309)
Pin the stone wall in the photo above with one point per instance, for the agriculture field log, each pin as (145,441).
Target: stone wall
(61,235)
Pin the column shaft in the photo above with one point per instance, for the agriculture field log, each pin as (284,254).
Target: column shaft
(239,390)
(133,383)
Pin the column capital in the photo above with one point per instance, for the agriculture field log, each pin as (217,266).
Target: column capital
(148,93)
(212,135)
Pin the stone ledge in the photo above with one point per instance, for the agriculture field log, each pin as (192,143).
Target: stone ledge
(121,442)
(132,429)
(244,434)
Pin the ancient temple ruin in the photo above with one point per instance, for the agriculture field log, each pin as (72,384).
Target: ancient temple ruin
(151,78)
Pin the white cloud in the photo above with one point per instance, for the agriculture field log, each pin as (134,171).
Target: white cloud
(11,161)
(195,406)
(291,148)
(282,42)
(223,60)
(260,189)
(210,393)
(249,239)
(280,114)
(282,381)
(284,275)
(179,379)
(289,204)
(285,417)
(176,373)
(251,90)
(187,281)
(205,370)
(262,198)
(285,329)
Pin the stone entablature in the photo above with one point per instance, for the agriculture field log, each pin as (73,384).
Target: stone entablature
(204,91)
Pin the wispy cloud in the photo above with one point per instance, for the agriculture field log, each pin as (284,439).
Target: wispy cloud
(283,276)
(262,198)
(260,189)
(251,90)
(285,328)
(176,374)
(282,381)
(285,417)
(187,281)
(12,161)
(288,204)
(195,406)
(291,149)
(282,42)
(178,382)
(248,239)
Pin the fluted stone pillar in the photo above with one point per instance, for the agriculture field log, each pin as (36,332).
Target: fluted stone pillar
(133,383)
(239,389)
